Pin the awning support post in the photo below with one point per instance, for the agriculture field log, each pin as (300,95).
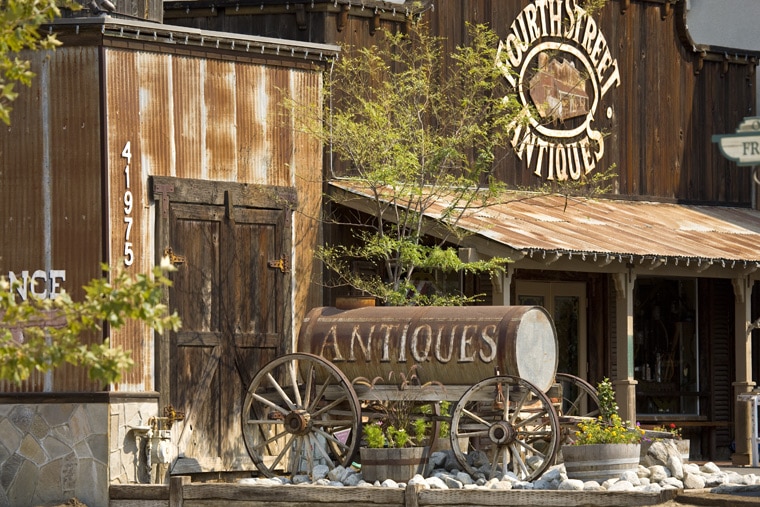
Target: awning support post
(743,358)
(624,383)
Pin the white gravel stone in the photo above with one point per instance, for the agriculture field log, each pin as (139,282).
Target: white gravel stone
(651,488)
(710,468)
(336,474)
(500,485)
(301,479)
(631,477)
(353,480)
(694,481)
(621,486)
(716,479)
(319,472)
(672,481)
(436,483)
(658,473)
(675,465)
(571,485)
(389,483)
(592,486)
(418,480)
(452,483)
(522,485)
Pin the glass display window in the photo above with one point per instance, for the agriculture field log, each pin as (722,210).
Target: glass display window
(666,347)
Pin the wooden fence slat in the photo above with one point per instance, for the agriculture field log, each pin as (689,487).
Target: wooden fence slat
(528,498)
(177,485)
(294,494)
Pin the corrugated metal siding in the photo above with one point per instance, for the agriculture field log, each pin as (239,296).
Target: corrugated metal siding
(661,116)
(202,118)
(56,123)
(543,223)
(306,164)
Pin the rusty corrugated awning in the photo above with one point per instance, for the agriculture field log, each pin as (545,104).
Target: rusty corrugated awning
(550,224)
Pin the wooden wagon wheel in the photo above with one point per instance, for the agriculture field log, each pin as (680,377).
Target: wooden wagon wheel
(579,401)
(300,411)
(579,398)
(512,422)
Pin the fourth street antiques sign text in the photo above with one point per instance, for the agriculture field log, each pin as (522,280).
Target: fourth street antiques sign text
(558,61)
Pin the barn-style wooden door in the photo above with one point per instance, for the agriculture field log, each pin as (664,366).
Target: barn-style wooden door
(231,245)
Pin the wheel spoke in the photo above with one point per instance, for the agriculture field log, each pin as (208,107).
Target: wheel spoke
(285,449)
(519,406)
(320,393)
(282,393)
(322,450)
(294,382)
(307,387)
(517,459)
(270,404)
(476,418)
(329,406)
(523,422)
(331,438)
(270,440)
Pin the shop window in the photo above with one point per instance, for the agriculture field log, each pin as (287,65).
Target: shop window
(666,351)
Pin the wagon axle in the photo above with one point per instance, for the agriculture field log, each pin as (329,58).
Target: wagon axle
(502,433)
(298,422)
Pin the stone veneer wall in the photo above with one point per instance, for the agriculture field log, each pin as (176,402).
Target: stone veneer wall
(57,447)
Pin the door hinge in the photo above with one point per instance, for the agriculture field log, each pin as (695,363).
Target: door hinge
(282,264)
(173,258)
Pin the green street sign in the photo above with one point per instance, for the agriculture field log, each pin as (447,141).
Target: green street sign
(744,146)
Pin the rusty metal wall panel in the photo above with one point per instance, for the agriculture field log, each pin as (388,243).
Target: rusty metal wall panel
(50,187)
(188,119)
(221,121)
(203,118)
(307,157)
(253,129)
(131,80)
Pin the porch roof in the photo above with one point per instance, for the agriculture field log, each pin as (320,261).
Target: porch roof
(550,226)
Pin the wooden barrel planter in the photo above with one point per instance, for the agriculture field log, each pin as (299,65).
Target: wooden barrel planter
(391,463)
(599,462)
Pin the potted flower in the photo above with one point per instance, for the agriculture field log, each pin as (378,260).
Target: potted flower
(604,447)
(399,431)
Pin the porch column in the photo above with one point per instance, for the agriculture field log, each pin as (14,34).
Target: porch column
(624,383)
(743,358)
(502,285)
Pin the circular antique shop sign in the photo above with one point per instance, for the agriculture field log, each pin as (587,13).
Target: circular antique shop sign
(560,66)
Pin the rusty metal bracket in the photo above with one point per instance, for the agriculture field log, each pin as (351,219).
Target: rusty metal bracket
(162,192)
(173,258)
(282,264)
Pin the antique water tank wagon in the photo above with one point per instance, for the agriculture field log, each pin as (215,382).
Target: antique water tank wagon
(496,365)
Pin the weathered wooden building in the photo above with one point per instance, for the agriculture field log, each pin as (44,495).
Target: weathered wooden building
(139,140)
(167,135)
(651,285)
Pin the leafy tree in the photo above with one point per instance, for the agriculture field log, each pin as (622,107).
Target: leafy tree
(20,21)
(415,128)
(41,334)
